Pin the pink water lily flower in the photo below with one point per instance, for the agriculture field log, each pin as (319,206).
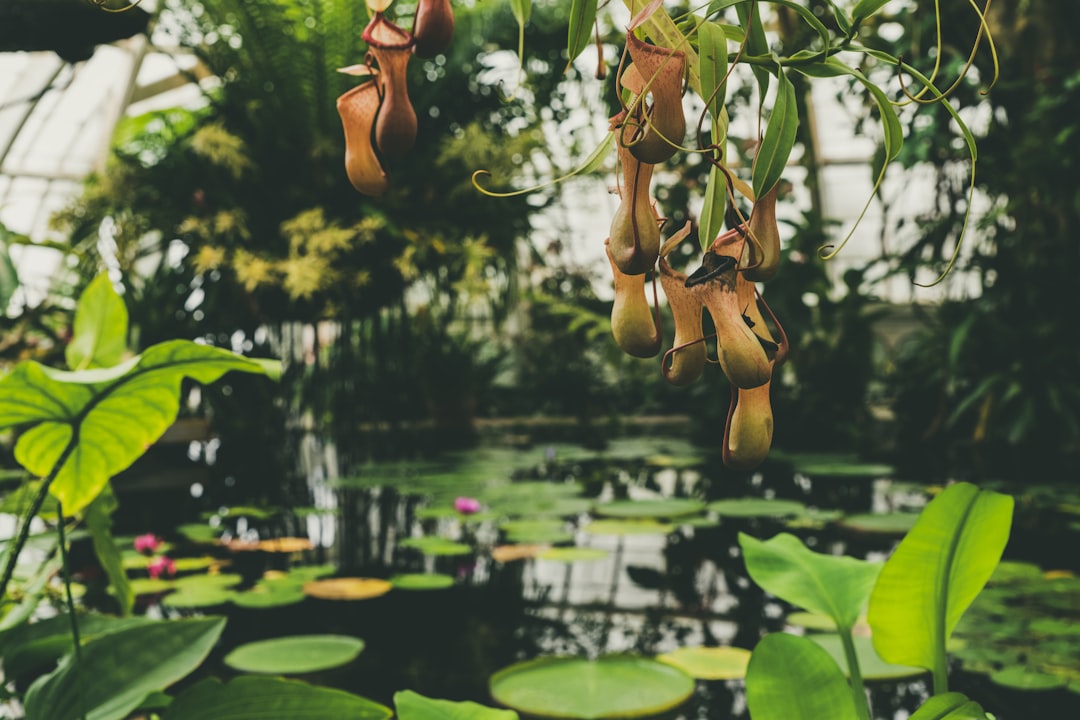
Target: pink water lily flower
(161,566)
(147,543)
(467,505)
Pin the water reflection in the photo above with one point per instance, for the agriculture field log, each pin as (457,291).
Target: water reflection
(681,584)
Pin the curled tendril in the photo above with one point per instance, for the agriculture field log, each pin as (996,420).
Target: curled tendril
(983,30)
(102,5)
(667,361)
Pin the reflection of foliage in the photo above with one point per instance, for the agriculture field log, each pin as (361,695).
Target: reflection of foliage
(997,373)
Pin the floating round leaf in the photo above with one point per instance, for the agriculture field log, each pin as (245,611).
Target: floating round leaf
(436,546)
(151,586)
(880,524)
(871,664)
(628,527)
(756,508)
(194,564)
(1012,571)
(664,508)
(573,554)
(213,580)
(192,598)
(848,470)
(709,663)
(422,581)
(536,532)
(1019,678)
(310,572)
(351,588)
(615,686)
(295,655)
(270,594)
(199,533)
(510,553)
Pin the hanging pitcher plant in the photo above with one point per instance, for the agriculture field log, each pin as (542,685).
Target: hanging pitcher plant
(665,57)
(377,115)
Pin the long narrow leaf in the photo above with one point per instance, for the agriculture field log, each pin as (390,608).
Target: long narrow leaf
(775,148)
(713,65)
(582,17)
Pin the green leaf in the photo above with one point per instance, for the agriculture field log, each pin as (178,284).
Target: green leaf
(109,416)
(33,647)
(249,698)
(756,43)
(832,585)
(120,669)
(712,212)
(756,508)
(9,276)
(949,706)
(709,663)
(99,524)
(661,508)
(296,655)
(935,573)
(772,155)
(422,581)
(613,686)
(582,17)
(101,325)
(413,706)
(436,546)
(871,666)
(521,9)
(712,65)
(866,8)
(792,678)
(1020,678)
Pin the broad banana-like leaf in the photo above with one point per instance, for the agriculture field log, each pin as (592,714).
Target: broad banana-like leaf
(120,669)
(935,573)
(950,706)
(248,697)
(831,585)
(792,678)
(101,325)
(91,424)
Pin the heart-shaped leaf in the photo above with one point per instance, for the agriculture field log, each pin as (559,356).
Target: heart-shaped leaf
(91,424)
(99,337)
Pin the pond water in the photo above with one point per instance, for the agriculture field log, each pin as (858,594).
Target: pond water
(633,549)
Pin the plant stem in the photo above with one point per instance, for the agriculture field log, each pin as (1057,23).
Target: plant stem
(67,584)
(35,508)
(858,692)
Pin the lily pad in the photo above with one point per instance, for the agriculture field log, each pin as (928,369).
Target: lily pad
(628,527)
(709,663)
(534,532)
(1009,572)
(881,524)
(270,594)
(311,572)
(151,586)
(295,655)
(197,598)
(573,554)
(413,706)
(845,470)
(422,581)
(436,546)
(350,588)
(615,686)
(871,664)
(1018,678)
(199,533)
(511,553)
(756,508)
(195,564)
(664,508)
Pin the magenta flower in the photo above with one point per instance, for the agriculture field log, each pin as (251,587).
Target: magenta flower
(161,566)
(467,505)
(147,543)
